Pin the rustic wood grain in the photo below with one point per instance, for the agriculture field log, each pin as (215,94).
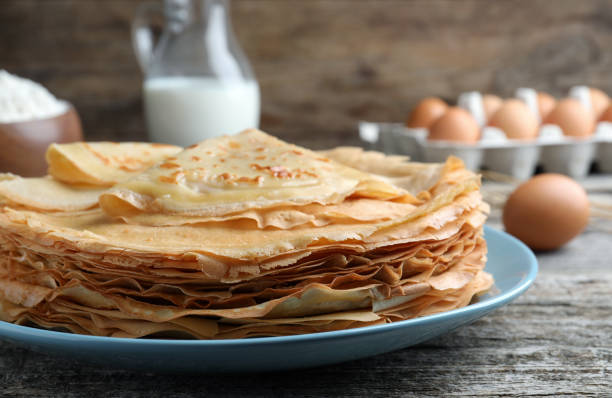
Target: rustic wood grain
(322,64)
(555,340)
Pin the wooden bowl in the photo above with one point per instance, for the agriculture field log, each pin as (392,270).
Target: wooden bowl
(23,144)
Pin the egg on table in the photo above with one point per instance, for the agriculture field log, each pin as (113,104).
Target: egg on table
(516,120)
(491,104)
(546,103)
(573,118)
(457,125)
(547,211)
(427,111)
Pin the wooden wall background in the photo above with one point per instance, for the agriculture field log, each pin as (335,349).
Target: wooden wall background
(322,64)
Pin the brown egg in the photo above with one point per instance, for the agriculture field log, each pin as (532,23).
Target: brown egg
(606,116)
(456,124)
(491,104)
(426,112)
(546,103)
(516,120)
(599,101)
(573,118)
(547,211)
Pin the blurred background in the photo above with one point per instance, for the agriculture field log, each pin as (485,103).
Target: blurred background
(322,65)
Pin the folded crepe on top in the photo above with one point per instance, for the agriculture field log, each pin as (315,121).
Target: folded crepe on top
(80,172)
(244,236)
(104,163)
(251,170)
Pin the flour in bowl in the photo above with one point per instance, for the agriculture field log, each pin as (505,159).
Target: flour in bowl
(22,99)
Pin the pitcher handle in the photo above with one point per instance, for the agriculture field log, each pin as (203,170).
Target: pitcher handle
(143,39)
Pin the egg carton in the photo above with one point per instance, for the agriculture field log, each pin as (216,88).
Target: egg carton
(553,151)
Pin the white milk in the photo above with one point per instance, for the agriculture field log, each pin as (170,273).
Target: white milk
(186,110)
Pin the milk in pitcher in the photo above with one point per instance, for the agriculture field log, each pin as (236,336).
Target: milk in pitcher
(186,110)
(198,82)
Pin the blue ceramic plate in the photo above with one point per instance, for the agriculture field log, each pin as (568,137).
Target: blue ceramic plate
(512,264)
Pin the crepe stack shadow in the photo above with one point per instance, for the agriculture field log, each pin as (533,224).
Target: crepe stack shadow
(236,237)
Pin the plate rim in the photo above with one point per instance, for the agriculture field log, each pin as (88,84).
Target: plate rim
(491,303)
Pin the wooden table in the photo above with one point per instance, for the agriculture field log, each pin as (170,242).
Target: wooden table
(554,340)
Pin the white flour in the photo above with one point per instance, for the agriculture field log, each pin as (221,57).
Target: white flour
(22,99)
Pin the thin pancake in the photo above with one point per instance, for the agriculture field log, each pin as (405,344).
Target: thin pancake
(47,194)
(251,170)
(104,163)
(288,217)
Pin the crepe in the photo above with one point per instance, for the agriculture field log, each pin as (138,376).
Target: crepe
(103,163)
(79,173)
(251,170)
(371,239)
(48,194)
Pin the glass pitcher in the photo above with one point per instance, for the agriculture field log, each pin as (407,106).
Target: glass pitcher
(198,82)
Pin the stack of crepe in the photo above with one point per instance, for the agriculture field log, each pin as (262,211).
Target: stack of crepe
(235,237)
